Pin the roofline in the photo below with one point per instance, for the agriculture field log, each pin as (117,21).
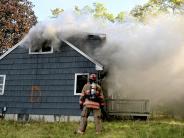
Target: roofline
(9,50)
(98,65)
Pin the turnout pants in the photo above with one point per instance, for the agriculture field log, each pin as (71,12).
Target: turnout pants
(97,119)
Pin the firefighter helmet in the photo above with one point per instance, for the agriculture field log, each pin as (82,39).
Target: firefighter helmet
(92,77)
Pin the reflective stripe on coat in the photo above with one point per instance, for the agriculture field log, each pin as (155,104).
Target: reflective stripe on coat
(91,104)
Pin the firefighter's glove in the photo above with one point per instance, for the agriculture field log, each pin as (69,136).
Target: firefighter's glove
(81,106)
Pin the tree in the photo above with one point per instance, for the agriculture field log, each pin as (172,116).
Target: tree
(155,7)
(120,17)
(16,18)
(98,10)
(176,6)
(56,12)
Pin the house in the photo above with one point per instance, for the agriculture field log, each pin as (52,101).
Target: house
(45,83)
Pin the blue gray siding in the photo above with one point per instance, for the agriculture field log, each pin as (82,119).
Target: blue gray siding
(53,73)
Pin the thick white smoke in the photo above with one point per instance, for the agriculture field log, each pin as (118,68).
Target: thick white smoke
(143,60)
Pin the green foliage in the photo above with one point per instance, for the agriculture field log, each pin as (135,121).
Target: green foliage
(155,7)
(120,129)
(56,12)
(98,10)
(120,17)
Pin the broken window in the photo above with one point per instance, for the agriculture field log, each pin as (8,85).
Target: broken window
(80,80)
(44,48)
(2,84)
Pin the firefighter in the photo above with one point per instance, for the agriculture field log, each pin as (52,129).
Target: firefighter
(91,100)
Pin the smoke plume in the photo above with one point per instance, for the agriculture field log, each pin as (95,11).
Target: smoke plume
(143,60)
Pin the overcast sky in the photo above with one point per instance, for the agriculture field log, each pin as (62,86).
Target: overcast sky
(43,7)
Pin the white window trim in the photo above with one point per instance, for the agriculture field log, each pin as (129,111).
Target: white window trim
(4,78)
(75,84)
(40,52)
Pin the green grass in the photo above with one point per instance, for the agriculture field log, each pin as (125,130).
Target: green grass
(115,129)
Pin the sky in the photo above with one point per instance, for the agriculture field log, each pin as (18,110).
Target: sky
(43,7)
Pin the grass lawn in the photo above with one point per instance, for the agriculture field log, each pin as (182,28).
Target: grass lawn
(115,129)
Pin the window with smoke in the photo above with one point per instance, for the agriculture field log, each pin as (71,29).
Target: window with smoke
(96,37)
(44,47)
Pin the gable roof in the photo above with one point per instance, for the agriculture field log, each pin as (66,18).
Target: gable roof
(98,65)
(9,50)
(88,43)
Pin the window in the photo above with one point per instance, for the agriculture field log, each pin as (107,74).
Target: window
(96,36)
(45,48)
(2,84)
(80,80)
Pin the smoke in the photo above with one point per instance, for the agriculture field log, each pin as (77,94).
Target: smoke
(143,60)
(57,29)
